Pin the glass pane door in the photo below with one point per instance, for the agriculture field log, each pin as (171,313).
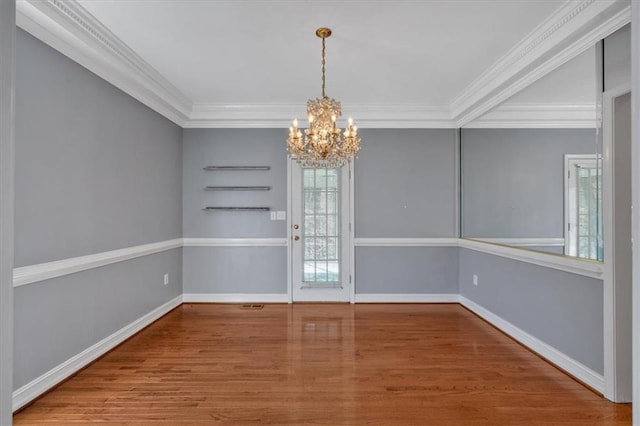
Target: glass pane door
(320,233)
(321,226)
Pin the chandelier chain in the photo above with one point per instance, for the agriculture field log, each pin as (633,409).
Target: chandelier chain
(323,67)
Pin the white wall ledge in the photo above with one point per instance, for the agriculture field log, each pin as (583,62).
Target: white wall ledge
(45,271)
(587,268)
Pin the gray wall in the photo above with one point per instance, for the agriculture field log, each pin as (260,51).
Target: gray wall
(513,180)
(7,74)
(405,183)
(95,170)
(622,267)
(405,187)
(564,310)
(635,142)
(233,147)
(617,60)
(247,270)
(59,318)
(234,269)
(407,270)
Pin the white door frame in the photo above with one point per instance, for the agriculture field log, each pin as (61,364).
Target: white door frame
(612,389)
(350,243)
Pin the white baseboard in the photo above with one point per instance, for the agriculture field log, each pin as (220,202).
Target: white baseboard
(570,365)
(57,374)
(406,298)
(235,298)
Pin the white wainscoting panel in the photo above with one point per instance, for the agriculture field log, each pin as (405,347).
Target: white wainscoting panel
(57,374)
(45,271)
(565,362)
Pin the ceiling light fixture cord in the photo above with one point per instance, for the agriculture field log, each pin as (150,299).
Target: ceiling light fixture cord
(323,67)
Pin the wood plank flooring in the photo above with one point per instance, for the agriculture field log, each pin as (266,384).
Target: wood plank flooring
(329,364)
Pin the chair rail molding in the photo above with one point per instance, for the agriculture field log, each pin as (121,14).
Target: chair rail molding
(587,268)
(45,271)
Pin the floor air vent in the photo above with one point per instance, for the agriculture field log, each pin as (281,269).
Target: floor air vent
(254,306)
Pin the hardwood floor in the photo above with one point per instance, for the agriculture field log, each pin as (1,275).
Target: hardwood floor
(322,364)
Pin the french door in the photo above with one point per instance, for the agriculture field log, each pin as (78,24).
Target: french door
(320,246)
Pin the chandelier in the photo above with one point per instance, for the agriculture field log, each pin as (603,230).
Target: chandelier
(324,144)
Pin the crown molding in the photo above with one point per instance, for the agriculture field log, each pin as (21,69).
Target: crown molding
(279,115)
(69,28)
(571,30)
(528,116)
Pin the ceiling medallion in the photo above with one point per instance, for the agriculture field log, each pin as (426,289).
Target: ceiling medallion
(323,143)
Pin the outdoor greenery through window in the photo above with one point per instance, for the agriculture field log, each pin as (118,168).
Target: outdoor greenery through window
(588,183)
(321,227)
(584,207)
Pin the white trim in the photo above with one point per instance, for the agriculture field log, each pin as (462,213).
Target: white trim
(344,290)
(587,268)
(235,242)
(572,29)
(289,232)
(352,233)
(45,271)
(528,116)
(69,28)
(527,242)
(406,298)
(235,298)
(406,242)
(565,362)
(57,374)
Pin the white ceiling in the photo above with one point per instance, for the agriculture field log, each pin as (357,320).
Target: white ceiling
(266,51)
(217,63)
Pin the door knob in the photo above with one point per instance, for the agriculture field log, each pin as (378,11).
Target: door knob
(295,227)
(296,238)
